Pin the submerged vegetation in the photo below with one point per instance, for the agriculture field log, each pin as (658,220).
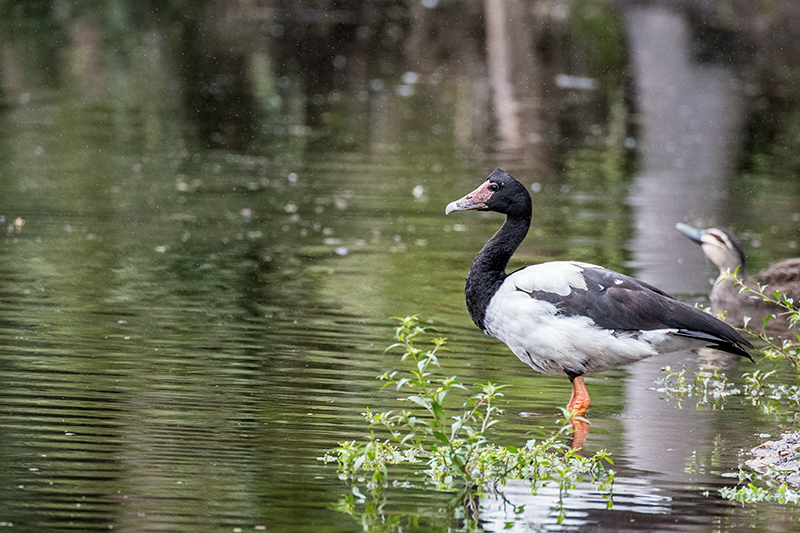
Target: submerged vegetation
(754,487)
(445,439)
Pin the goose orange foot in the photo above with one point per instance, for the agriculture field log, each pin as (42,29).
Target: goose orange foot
(578,404)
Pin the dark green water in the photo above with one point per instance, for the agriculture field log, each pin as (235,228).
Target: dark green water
(201,253)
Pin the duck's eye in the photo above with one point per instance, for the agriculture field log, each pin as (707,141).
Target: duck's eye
(493,187)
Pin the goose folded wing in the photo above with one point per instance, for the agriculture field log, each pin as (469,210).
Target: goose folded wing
(621,303)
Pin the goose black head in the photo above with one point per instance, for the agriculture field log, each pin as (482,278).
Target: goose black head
(500,193)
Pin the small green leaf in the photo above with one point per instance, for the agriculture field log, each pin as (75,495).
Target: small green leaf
(408,437)
(441,437)
(417,400)
(395,345)
(438,411)
(358,462)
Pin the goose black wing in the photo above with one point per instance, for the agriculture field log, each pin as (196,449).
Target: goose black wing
(622,303)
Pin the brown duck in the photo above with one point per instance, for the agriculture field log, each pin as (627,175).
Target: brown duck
(724,250)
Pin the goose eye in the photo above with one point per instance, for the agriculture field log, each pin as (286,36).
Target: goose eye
(493,187)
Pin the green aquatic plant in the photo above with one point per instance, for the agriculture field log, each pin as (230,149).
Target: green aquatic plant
(710,388)
(446,439)
(773,347)
(713,389)
(757,388)
(770,488)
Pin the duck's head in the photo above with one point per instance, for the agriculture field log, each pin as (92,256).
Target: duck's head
(719,244)
(501,192)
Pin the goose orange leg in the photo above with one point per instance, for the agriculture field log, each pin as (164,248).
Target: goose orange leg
(579,401)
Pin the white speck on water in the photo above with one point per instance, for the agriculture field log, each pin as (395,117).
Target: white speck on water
(418,191)
(363,32)
(341,250)
(404,90)
(566,81)
(291,207)
(410,78)
(559,12)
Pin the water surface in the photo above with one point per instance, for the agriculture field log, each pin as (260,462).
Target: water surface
(193,309)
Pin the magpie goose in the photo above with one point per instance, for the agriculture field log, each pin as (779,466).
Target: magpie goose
(567,317)
(724,250)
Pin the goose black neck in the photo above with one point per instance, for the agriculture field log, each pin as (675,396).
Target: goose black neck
(488,269)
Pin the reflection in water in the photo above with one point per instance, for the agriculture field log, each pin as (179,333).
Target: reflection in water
(633,501)
(691,119)
(513,72)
